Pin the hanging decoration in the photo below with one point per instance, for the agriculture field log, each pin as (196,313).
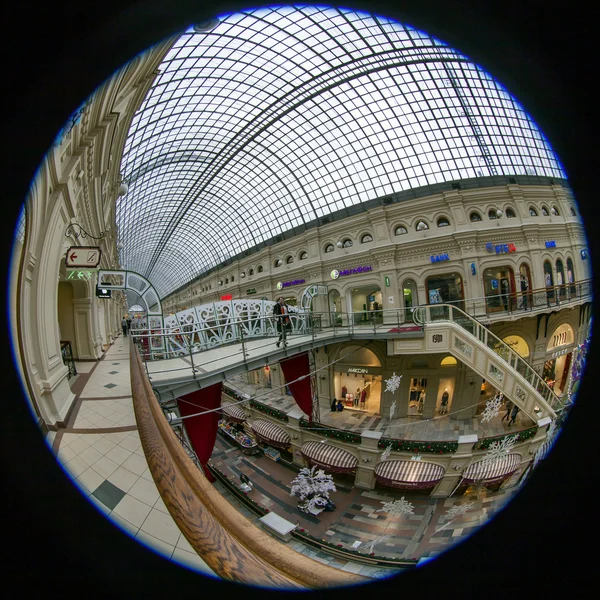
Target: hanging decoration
(492,407)
(499,449)
(397,507)
(393,383)
(386,453)
(456,511)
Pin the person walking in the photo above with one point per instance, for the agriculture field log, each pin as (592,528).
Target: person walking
(509,406)
(128,324)
(124,326)
(280,310)
(513,415)
(444,404)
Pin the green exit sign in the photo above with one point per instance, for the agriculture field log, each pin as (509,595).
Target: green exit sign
(81,274)
(251,291)
(387,281)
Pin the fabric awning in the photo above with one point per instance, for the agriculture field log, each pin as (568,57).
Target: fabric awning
(497,470)
(329,457)
(270,433)
(233,412)
(411,474)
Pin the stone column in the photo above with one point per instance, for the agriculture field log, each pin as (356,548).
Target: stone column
(458,463)
(431,394)
(368,453)
(277,379)
(466,393)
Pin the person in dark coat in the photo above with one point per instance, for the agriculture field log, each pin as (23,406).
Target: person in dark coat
(280,310)
(509,406)
(340,406)
(513,414)
(333,405)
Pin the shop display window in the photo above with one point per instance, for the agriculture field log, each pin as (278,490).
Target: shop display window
(445,289)
(499,288)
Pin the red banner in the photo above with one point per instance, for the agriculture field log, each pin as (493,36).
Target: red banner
(293,368)
(202,430)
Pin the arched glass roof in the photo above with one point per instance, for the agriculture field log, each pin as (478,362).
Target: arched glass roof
(281,115)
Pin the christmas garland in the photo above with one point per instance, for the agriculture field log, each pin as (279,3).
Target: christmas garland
(414,446)
(336,434)
(269,410)
(519,435)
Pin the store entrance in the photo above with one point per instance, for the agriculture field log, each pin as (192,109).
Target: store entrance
(499,287)
(416,396)
(367,305)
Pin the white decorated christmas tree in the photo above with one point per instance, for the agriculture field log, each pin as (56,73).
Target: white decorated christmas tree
(312,487)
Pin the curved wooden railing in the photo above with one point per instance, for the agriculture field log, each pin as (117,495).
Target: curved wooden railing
(231,545)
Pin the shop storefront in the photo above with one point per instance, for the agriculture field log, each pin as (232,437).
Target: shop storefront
(499,288)
(491,475)
(558,359)
(409,293)
(273,439)
(408,474)
(333,460)
(445,289)
(359,387)
(367,304)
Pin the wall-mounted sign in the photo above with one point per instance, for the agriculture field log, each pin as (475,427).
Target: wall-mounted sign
(387,281)
(584,254)
(561,352)
(439,257)
(83,256)
(437,338)
(283,284)
(335,273)
(81,273)
(550,243)
(227,297)
(103,293)
(473,269)
(357,370)
(251,291)
(500,248)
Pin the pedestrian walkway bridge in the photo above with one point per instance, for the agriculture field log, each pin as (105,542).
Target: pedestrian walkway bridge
(182,358)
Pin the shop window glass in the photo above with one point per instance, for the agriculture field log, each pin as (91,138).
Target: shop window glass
(571,277)
(510,213)
(555,211)
(545,212)
(409,291)
(346,243)
(445,289)
(532,212)
(289,260)
(329,248)
(443,222)
(278,263)
(475,216)
(560,279)
(492,214)
(303,255)
(499,288)
(400,230)
(548,281)
(366,238)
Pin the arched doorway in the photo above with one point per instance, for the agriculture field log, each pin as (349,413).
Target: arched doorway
(410,295)
(499,287)
(560,279)
(335,307)
(525,299)
(366,304)
(571,278)
(549,280)
(357,380)
(559,352)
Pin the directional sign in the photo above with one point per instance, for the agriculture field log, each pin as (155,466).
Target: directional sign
(83,256)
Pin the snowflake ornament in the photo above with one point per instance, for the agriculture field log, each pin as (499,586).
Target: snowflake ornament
(500,449)
(393,383)
(386,453)
(492,408)
(397,507)
(456,511)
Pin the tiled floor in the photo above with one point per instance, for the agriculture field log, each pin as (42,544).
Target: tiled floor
(101,450)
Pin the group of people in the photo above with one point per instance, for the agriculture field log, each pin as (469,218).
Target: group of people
(337,405)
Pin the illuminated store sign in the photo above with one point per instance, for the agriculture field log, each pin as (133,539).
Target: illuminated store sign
(551,244)
(500,248)
(251,291)
(335,273)
(440,257)
(357,370)
(283,284)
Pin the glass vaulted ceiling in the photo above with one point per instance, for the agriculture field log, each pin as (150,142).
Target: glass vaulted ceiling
(281,115)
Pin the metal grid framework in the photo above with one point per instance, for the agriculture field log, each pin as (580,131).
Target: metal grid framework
(282,115)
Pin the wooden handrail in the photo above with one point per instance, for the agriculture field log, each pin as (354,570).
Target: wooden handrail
(231,545)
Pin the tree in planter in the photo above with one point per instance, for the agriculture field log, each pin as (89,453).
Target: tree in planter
(312,487)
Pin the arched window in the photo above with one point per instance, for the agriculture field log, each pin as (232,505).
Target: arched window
(555,211)
(347,243)
(329,248)
(560,278)
(573,211)
(303,255)
(548,277)
(226,279)
(366,238)
(443,222)
(289,260)
(278,262)
(475,216)
(492,214)
(545,212)
(421,226)
(571,277)
(510,213)
(232,278)
(400,230)
(251,272)
(260,268)
(532,212)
